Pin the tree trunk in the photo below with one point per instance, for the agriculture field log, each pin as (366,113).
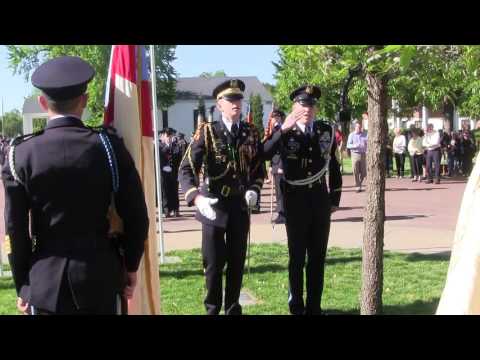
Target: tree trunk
(374,216)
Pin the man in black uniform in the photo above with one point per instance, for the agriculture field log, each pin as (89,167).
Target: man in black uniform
(170,158)
(307,149)
(182,143)
(65,178)
(277,168)
(233,176)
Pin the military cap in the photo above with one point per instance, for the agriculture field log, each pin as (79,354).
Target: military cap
(168,131)
(63,78)
(229,90)
(306,95)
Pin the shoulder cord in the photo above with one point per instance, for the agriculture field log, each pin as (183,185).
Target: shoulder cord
(112,160)
(11,164)
(317,176)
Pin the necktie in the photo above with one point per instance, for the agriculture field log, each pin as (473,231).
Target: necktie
(234,130)
(308,131)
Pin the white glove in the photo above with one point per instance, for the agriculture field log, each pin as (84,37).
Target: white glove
(204,205)
(279,171)
(167,168)
(251,198)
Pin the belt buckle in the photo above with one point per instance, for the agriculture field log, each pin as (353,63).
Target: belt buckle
(225,190)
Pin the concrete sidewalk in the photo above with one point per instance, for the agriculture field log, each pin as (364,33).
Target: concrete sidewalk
(419,218)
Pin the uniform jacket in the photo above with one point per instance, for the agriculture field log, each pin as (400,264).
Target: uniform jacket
(303,157)
(66,190)
(231,166)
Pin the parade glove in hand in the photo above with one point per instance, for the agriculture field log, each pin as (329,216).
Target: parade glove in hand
(204,205)
(251,198)
(22,306)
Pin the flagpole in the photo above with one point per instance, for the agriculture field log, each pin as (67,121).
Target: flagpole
(158,179)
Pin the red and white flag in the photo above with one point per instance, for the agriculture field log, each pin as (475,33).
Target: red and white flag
(128,107)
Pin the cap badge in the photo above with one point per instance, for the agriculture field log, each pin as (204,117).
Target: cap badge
(233,83)
(309,90)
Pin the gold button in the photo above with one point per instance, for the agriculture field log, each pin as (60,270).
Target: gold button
(309,160)
(310,149)
(309,173)
(310,186)
(234,176)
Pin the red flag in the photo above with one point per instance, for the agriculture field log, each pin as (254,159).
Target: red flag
(128,108)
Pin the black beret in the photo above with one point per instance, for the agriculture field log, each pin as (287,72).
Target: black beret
(306,95)
(230,90)
(63,78)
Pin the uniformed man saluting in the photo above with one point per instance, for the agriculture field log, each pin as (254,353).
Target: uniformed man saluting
(307,150)
(230,151)
(65,178)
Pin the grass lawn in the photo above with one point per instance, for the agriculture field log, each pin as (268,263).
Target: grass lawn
(347,167)
(412,285)
(413,282)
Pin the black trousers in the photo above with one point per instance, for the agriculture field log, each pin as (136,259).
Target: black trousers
(66,303)
(279,194)
(417,165)
(467,164)
(170,192)
(389,161)
(433,157)
(219,247)
(308,228)
(400,163)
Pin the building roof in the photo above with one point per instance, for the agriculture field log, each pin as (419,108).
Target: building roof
(191,88)
(31,106)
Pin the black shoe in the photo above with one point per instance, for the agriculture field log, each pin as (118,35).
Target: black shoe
(177,213)
(255,211)
(429,182)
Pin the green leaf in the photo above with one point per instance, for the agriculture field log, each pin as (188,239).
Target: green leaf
(406,55)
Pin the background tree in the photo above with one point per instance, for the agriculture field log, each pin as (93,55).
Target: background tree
(256,107)
(12,122)
(412,74)
(24,59)
(208,75)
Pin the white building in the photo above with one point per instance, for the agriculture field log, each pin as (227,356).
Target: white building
(32,112)
(417,119)
(182,116)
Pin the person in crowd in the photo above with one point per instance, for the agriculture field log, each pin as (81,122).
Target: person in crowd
(399,149)
(357,144)
(415,149)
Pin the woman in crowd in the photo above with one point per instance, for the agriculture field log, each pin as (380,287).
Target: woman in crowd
(415,148)
(399,148)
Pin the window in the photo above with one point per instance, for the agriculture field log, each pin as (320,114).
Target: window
(195,119)
(38,124)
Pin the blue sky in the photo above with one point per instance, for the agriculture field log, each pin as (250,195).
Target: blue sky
(235,60)
(13,89)
(192,60)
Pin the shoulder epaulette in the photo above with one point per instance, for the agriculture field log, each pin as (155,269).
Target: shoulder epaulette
(21,138)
